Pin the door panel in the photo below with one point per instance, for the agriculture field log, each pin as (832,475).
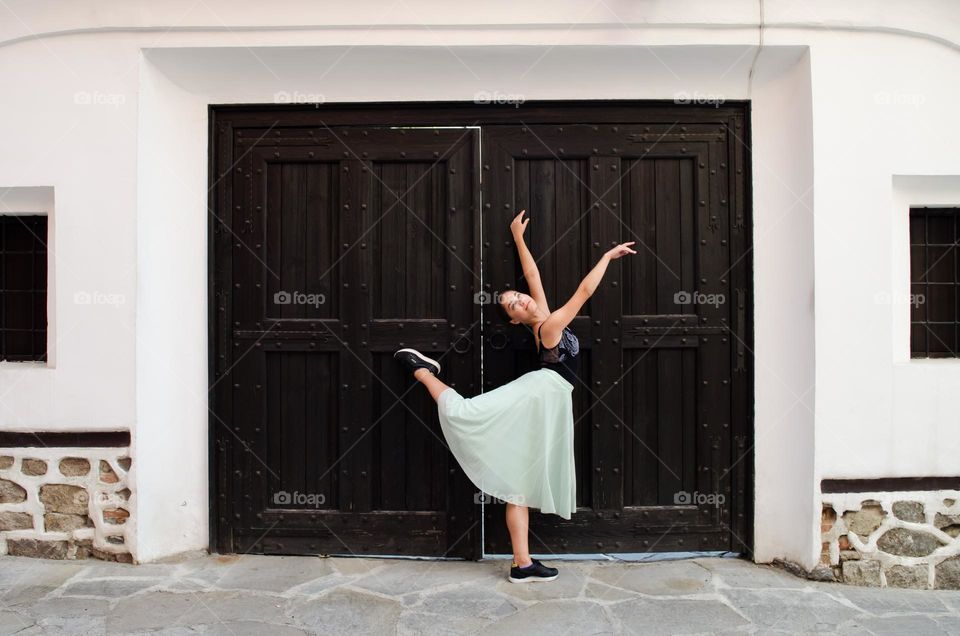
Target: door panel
(654,408)
(302,237)
(347,243)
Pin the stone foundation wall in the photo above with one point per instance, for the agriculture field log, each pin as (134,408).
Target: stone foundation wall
(66,503)
(893,539)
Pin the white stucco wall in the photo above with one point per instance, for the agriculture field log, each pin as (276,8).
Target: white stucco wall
(897,119)
(836,116)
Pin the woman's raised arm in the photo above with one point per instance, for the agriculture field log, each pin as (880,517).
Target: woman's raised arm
(553,326)
(530,271)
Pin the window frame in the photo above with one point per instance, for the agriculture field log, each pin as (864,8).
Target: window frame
(922,328)
(38,226)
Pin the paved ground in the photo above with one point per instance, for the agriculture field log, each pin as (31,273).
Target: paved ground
(277,596)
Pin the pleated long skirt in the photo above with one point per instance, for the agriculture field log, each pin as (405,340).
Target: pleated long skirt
(515,442)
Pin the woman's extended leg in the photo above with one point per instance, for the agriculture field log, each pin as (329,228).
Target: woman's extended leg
(518,522)
(433,384)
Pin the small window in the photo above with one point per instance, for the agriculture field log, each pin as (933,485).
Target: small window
(23,287)
(934,282)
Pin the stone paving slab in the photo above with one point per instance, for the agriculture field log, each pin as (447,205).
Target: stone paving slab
(281,596)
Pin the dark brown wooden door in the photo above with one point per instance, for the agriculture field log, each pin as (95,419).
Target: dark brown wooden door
(334,246)
(340,232)
(662,408)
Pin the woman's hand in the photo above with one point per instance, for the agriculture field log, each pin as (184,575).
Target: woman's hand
(517,226)
(620,250)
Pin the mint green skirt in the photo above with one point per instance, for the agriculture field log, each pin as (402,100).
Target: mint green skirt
(515,442)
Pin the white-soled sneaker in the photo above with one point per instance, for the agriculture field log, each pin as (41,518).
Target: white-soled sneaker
(413,360)
(536,571)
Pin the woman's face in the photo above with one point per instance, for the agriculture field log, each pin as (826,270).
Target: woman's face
(520,307)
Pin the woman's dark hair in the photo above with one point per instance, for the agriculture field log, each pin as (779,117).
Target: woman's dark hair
(500,309)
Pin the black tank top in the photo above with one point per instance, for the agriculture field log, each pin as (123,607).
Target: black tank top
(564,358)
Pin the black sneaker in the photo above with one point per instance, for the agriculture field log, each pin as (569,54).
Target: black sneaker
(413,360)
(536,571)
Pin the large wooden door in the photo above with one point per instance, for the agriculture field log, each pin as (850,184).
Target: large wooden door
(334,246)
(661,410)
(321,445)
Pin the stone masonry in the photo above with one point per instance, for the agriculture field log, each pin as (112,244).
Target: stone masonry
(892,539)
(66,503)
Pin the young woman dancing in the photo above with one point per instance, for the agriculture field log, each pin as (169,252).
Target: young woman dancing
(516,441)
